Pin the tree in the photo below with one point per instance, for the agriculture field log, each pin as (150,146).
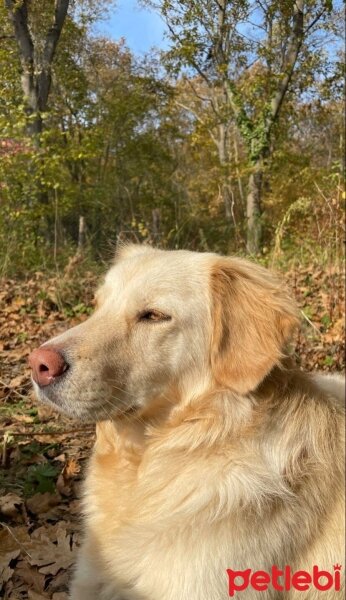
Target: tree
(161,159)
(36,62)
(248,54)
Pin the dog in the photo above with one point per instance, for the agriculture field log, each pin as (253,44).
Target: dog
(218,465)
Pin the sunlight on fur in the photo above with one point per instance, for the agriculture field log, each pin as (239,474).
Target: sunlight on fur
(213,450)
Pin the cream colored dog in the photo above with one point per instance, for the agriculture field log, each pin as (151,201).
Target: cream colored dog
(213,455)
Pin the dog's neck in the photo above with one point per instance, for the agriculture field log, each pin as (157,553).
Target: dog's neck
(251,431)
(219,414)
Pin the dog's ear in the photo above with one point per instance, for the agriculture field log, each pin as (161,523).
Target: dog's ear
(253,319)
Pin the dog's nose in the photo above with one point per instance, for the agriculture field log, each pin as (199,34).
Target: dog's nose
(46,364)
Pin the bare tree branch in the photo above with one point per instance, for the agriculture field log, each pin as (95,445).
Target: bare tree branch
(315,20)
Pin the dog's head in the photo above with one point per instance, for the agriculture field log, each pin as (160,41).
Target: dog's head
(167,320)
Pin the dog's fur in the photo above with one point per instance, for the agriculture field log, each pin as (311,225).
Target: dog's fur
(212,450)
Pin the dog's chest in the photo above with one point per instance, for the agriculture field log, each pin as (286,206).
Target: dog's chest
(178,561)
(164,543)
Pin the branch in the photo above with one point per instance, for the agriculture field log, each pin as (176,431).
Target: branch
(202,98)
(264,7)
(18,12)
(192,62)
(190,110)
(52,39)
(53,432)
(53,35)
(19,17)
(199,119)
(290,60)
(315,20)
(212,100)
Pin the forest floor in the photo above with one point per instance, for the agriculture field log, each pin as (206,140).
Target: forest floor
(43,454)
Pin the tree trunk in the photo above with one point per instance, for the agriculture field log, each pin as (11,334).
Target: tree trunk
(254,209)
(247,127)
(156,226)
(81,235)
(36,70)
(224,158)
(240,183)
(227,197)
(36,66)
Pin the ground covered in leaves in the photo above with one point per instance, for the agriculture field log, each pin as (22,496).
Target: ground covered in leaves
(43,455)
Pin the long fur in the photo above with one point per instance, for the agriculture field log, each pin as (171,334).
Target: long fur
(237,464)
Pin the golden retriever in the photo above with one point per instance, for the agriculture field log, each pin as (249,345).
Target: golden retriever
(217,469)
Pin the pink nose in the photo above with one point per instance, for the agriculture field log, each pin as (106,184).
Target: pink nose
(46,364)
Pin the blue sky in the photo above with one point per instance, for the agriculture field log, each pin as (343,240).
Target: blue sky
(141,28)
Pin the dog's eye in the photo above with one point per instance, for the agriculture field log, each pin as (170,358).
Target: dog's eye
(153,315)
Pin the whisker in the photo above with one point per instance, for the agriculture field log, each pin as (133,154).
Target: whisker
(135,395)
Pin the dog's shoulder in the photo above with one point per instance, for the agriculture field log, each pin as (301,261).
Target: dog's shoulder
(294,389)
(332,384)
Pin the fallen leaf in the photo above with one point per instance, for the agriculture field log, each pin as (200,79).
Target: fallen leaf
(60,582)
(51,556)
(33,579)
(5,574)
(10,548)
(42,503)
(10,504)
(70,470)
(32,595)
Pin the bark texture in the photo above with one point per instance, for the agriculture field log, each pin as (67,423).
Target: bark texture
(36,67)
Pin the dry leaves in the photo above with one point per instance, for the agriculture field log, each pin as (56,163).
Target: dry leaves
(41,453)
(52,548)
(36,566)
